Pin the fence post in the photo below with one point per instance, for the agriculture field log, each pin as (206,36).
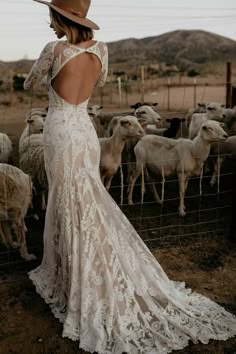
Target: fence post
(142,84)
(232,233)
(194,92)
(228,84)
(119,90)
(168,94)
(101,96)
(233,99)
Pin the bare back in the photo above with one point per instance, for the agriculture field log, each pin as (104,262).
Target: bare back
(77,78)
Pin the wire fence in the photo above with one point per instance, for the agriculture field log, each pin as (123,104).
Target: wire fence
(209,209)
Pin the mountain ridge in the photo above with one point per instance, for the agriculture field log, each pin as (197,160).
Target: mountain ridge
(186,49)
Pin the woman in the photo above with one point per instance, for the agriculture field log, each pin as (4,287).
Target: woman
(97,275)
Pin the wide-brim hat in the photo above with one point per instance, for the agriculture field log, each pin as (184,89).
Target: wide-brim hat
(74,10)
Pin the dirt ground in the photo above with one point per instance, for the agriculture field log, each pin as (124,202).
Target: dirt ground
(28,326)
(195,250)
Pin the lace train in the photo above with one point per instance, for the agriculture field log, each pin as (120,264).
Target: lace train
(97,275)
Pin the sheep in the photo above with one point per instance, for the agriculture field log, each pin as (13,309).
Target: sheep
(201,108)
(32,163)
(213,111)
(230,120)
(33,126)
(111,148)
(15,199)
(5,148)
(146,116)
(165,157)
(222,150)
(94,113)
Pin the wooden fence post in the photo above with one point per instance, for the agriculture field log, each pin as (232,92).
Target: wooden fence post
(194,92)
(232,232)
(168,94)
(228,84)
(119,90)
(101,96)
(142,84)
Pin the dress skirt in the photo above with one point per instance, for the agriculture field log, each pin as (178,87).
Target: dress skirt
(97,275)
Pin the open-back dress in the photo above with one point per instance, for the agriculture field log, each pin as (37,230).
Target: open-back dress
(97,275)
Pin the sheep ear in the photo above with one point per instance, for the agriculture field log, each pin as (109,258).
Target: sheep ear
(222,124)
(136,105)
(155,104)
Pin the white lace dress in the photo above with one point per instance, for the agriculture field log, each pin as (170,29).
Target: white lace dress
(97,275)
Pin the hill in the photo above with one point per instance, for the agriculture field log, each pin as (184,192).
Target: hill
(187,49)
(184,48)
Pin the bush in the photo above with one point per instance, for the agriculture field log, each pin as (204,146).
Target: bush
(193,73)
(18,82)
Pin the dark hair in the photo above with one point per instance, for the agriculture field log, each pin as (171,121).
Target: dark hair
(74,32)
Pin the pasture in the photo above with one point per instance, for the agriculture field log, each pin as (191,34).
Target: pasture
(196,249)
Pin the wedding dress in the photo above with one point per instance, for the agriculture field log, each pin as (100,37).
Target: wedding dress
(97,275)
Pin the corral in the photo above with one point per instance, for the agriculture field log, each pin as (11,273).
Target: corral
(196,249)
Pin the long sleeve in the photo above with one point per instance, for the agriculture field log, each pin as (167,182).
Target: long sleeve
(40,67)
(104,71)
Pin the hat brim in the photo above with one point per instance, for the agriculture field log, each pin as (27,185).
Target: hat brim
(80,20)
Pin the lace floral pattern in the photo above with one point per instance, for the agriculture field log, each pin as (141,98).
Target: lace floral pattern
(97,275)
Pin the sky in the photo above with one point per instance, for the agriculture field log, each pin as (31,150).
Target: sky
(24,24)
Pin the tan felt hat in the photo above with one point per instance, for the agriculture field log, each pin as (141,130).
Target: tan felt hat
(74,10)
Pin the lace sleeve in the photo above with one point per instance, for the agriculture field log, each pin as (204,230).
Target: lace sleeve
(40,67)
(104,71)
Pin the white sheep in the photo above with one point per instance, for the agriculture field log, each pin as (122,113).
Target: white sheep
(94,114)
(15,199)
(184,157)
(5,148)
(32,162)
(146,116)
(201,108)
(111,147)
(33,126)
(221,151)
(213,111)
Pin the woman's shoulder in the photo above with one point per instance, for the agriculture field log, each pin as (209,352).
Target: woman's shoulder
(102,47)
(49,47)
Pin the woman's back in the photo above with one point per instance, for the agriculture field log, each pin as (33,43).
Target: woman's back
(79,71)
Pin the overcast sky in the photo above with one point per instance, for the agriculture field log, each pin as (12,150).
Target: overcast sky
(24,28)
